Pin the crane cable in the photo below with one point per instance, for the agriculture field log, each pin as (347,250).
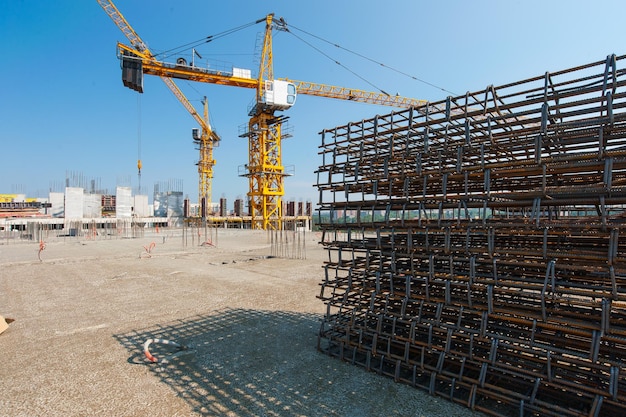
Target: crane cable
(337,62)
(201,101)
(139,141)
(207,39)
(364,57)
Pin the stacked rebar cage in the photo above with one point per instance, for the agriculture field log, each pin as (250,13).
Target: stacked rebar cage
(475,246)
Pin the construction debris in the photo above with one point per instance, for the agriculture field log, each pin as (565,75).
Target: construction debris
(180,350)
(474,246)
(4,323)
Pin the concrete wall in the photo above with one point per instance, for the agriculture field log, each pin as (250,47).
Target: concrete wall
(141,208)
(123,203)
(74,203)
(92,208)
(57,200)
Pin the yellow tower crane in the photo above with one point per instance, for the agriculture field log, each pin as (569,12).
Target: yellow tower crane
(265,171)
(205,137)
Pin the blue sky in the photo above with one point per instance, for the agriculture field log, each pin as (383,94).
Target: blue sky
(63,107)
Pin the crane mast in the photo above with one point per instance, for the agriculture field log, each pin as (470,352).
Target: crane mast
(266,65)
(265,171)
(206,140)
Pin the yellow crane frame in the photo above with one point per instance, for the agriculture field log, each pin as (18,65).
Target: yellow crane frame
(208,138)
(265,171)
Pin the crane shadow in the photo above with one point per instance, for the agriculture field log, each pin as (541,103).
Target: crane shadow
(245,362)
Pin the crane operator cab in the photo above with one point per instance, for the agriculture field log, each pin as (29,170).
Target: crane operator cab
(279,94)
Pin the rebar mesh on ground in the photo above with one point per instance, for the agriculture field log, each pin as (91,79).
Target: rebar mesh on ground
(474,245)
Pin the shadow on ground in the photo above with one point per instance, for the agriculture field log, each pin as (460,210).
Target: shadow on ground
(246,363)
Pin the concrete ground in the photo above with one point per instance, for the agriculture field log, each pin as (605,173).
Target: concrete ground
(250,321)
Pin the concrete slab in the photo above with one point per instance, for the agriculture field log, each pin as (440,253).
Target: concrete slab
(83,313)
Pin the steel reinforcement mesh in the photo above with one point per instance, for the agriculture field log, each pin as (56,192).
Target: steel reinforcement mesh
(475,245)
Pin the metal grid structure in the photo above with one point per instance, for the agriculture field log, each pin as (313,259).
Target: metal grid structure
(475,245)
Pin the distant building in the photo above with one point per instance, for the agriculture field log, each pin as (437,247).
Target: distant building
(239,207)
(223,207)
(168,204)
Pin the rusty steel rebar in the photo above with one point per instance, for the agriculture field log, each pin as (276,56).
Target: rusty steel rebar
(476,245)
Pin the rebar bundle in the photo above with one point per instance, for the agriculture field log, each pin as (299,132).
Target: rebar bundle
(474,245)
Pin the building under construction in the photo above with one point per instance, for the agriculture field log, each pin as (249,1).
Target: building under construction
(79,212)
(475,246)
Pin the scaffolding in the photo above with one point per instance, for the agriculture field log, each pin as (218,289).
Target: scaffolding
(474,245)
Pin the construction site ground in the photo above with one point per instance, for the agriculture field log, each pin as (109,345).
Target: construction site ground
(250,321)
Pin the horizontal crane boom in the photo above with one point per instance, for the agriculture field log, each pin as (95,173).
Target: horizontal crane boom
(162,69)
(352,94)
